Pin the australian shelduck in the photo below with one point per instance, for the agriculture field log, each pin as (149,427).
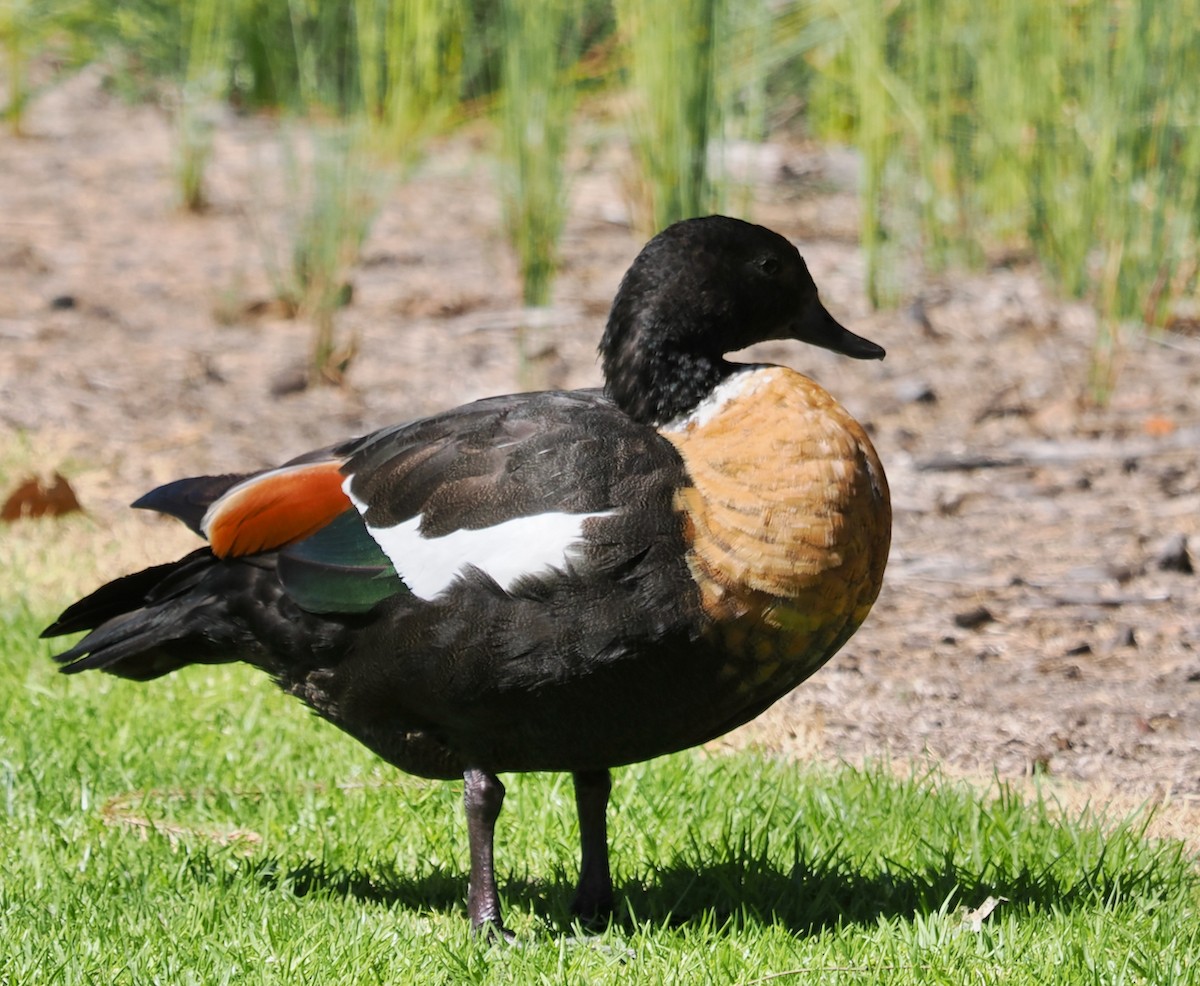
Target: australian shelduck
(567,580)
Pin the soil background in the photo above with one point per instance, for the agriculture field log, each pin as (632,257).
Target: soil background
(1038,617)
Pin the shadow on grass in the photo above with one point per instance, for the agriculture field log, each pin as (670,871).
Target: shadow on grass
(746,891)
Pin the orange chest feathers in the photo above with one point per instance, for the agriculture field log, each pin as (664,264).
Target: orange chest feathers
(788,521)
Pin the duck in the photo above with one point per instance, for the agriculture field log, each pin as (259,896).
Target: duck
(548,581)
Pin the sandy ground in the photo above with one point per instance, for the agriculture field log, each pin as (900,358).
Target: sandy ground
(1027,625)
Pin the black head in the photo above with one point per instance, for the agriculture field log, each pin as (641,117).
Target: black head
(700,289)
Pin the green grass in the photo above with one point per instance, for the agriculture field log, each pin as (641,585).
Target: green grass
(18,32)
(206,829)
(410,65)
(541,41)
(1059,129)
(675,113)
(197,101)
(334,190)
(535,116)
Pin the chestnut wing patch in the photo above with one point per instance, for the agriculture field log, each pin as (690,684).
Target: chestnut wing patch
(275,508)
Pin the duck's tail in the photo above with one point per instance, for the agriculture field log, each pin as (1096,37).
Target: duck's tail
(150,623)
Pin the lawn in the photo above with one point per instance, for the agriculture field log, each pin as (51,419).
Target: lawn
(205,829)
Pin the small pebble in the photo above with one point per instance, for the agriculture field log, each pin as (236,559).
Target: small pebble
(915,392)
(290,381)
(1174,557)
(1125,638)
(972,619)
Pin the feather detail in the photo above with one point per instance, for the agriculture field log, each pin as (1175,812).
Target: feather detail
(275,508)
(340,569)
(189,499)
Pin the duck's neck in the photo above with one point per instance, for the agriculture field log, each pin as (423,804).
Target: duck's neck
(656,384)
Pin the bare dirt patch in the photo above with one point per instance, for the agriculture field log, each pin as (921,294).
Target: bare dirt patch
(1032,620)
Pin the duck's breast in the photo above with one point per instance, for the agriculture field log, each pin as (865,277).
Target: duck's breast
(788,521)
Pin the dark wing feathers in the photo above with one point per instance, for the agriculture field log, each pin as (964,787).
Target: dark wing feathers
(484,464)
(507,457)
(469,468)
(189,499)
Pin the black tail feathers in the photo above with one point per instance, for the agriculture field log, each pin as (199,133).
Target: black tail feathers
(136,620)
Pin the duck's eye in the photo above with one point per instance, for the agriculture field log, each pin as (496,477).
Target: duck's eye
(768,265)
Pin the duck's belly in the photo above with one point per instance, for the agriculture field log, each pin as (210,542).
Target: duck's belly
(657,699)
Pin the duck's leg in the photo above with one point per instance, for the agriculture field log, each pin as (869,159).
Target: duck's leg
(593,902)
(483,795)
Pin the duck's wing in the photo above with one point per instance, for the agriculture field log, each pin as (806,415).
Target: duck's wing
(512,488)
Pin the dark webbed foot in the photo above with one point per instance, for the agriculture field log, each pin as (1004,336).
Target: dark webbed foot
(593,901)
(483,795)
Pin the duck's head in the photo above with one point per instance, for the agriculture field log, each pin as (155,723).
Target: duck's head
(700,289)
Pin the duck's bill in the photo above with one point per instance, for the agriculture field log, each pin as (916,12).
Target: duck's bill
(818,328)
